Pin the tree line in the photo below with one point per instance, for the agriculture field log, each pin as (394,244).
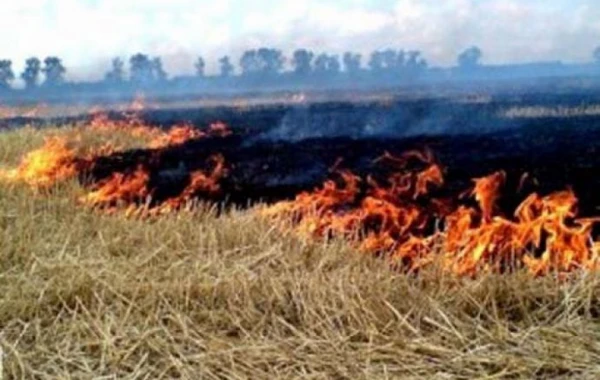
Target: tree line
(258,65)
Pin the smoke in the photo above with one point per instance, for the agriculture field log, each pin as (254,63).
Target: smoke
(396,120)
(85,33)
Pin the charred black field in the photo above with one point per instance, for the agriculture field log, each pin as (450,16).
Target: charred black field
(544,143)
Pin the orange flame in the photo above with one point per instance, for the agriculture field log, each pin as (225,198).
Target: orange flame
(132,192)
(200,182)
(43,167)
(396,216)
(469,241)
(120,187)
(55,161)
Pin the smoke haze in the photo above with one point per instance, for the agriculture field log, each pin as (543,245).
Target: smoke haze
(88,33)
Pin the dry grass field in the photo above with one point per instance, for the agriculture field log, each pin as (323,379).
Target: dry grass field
(213,293)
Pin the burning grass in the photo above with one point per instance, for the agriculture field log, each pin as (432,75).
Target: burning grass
(229,293)
(393,216)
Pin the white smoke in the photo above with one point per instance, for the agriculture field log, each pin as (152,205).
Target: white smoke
(87,33)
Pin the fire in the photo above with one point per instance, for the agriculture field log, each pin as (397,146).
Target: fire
(8,112)
(399,219)
(56,161)
(199,183)
(487,192)
(155,137)
(43,167)
(36,110)
(120,187)
(182,133)
(400,214)
(133,192)
(131,125)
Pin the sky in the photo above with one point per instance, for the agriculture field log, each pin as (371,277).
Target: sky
(87,34)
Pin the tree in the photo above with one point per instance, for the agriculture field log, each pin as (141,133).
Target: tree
(158,72)
(141,69)
(6,74)
(415,61)
(271,61)
(376,61)
(31,74)
(352,62)
(597,55)
(469,58)
(226,68)
(401,59)
(264,61)
(389,61)
(116,75)
(200,66)
(302,62)
(249,62)
(145,71)
(54,72)
(327,64)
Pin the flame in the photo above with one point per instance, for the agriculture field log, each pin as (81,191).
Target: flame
(200,182)
(399,219)
(8,112)
(120,187)
(36,110)
(183,133)
(487,192)
(132,192)
(398,215)
(131,125)
(175,136)
(43,167)
(56,161)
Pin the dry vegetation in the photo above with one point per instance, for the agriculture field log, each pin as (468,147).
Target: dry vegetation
(534,112)
(197,295)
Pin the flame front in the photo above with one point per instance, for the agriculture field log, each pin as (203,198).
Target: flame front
(56,162)
(398,215)
(399,219)
(43,167)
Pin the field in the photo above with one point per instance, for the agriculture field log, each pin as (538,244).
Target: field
(219,290)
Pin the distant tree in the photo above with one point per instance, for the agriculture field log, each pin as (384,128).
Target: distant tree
(200,66)
(116,75)
(31,74)
(389,61)
(376,61)
(302,62)
(226,68)
(249,62)
(264,61)
(6,74)
(141,69)
(146,71)
(158,72)
(469,58)
(327,64)
(352,62)
(54,72)
(271,60)
(415,61)
(596,55)
(401,58)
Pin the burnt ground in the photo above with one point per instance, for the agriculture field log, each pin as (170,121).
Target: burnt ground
(556,156)
(277,151)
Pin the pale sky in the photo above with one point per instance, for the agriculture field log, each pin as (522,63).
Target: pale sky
(86,34)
